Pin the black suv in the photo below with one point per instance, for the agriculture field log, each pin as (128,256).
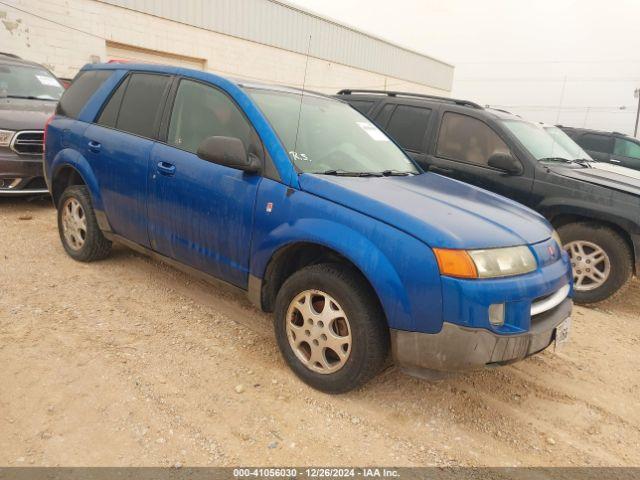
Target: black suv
(28,96)
(594,206)
(612,147)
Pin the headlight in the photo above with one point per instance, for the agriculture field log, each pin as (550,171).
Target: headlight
(489,263)
(5,137)
(556,237)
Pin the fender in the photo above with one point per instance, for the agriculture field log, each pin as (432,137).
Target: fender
(72,158)
(552,207)
(401,269)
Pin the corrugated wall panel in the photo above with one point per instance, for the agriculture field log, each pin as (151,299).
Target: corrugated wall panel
(273,23)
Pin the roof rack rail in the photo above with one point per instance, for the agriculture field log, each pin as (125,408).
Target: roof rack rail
(466,103)
(12,55)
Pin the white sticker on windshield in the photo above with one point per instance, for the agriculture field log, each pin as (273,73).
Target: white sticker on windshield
(45,80)
(373,131)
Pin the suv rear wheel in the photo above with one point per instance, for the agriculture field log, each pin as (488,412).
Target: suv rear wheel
(81,237)
(601,260)
(330,328)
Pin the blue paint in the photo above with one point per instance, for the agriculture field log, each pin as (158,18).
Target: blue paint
(216,219)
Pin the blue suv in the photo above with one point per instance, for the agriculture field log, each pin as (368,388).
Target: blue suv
(302,202)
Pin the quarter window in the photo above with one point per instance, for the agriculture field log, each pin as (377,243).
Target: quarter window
(627,148)
(82,88)
(362,106)
(201,111)
(109,115)
(142,104)
(408,126)
(468,140)
(595,142)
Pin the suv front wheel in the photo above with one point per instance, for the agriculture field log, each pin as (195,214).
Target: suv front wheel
(81,237)
(601,260)
(330,328)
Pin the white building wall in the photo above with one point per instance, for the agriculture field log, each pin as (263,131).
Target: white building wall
(66,34)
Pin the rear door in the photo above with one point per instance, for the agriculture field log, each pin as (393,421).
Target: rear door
(201,213)
(599,146)
(626,152)
(407,124)
(462,149)
(118,147)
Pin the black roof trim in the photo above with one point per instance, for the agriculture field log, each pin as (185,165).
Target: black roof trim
(464,103)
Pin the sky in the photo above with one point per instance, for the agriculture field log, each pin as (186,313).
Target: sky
(573,62)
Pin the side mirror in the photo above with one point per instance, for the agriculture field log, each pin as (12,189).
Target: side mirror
(230,152)
(505,162)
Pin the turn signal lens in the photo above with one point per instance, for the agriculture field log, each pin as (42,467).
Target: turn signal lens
(455,263)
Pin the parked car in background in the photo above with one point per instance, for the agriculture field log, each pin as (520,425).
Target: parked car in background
(28,96)
(612,147)
(310,208)
(593,207)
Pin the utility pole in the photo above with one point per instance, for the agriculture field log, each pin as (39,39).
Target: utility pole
(637,95)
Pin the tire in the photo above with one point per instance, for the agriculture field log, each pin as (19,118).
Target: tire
(362,320)
(591,236)
(81,237)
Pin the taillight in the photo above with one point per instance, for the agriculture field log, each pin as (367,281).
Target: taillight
(44,134)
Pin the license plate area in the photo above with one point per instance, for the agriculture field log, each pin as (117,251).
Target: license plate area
(561,336)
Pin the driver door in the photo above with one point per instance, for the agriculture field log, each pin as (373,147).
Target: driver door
(463,147)
(201,213)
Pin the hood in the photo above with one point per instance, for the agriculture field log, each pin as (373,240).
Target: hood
(600,173)
(24,114)
(439,211)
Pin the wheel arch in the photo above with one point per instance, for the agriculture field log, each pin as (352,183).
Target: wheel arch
(70,168)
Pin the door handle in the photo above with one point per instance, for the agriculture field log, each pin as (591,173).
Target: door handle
(94,146)
(613,160)
(165,168)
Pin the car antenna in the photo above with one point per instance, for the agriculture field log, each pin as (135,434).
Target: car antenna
(294,154)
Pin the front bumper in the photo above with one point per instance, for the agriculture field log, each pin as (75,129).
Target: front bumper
(21,174)
(457,348)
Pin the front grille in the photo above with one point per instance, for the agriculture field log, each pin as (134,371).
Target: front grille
(28,142)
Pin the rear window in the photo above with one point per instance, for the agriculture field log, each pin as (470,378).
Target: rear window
(83,87)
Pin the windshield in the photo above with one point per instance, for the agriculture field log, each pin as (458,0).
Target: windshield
(332,137)
(567,143)
(543,144)
(18,81)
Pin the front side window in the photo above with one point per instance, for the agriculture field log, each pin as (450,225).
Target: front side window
(82,88)
(17,81)
(468,140)
(142,104)
(626,148)
(595,142)
(324,135)
(408,126)
(362,106)
(201,111)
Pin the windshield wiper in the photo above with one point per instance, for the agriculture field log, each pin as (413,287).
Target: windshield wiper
(342,173)
(396,173)
(579,161)
(31,97)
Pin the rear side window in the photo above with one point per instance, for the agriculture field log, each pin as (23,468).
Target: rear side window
(142,104)
(83,87)
(468,140)
(408,126)
(362,106)
(595,142)
(626,148)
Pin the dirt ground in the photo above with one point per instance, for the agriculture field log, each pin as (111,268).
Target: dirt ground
(130,362)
